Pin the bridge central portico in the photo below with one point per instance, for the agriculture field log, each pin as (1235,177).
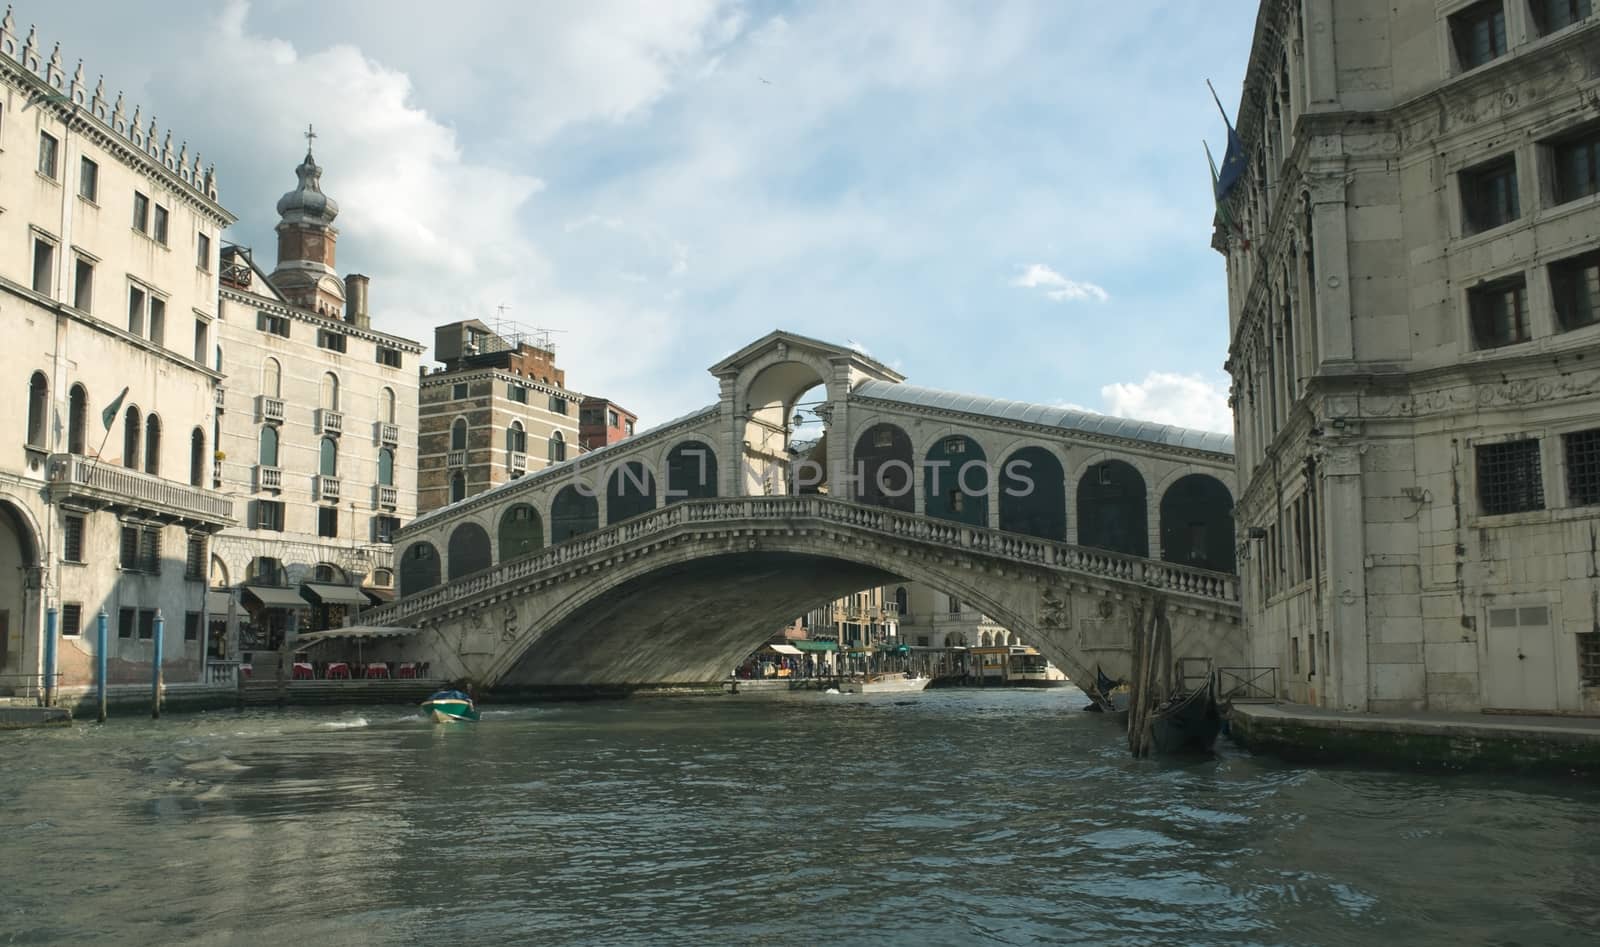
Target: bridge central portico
(664,558)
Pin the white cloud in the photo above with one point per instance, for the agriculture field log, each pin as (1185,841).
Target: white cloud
(1170,398)
(1058,287)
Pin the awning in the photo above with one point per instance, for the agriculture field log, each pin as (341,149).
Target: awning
(784,648)
(334,594)
(379,596)
(353,632)
(806,645)
(218,602)
(271,596)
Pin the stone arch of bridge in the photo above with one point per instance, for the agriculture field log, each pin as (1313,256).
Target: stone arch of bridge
(686,615)
(764,394)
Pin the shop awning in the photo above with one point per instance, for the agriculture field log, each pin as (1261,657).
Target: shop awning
(270,596)
(379,596)
(804,645)
(218,602)
(333,594)
(353,633)
(784,648)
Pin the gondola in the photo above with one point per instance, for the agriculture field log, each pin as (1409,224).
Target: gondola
(1102,694)
(1188,724)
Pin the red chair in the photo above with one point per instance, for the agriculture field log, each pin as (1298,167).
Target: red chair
(407,670)
(377,671)
(247,671)
(302,671)
(339,670)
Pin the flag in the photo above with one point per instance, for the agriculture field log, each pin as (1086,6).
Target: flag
(1224,216)
(46,97)
(109,415)
(1233,159)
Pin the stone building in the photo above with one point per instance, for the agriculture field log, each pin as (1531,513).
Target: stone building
(108,292)
(1413,259)
(316,434)
(498,409)
(933,619)
(602,422)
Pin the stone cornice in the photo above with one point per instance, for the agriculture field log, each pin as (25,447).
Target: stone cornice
(255,300)
(440,379)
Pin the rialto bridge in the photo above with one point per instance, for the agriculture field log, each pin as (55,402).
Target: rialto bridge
(667,557)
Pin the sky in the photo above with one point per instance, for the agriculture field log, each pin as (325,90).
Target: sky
(1007,199)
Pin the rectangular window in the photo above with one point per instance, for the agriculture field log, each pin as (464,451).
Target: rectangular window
(194,559)
(202,252)
(126,618)
(1489,195)
(332,341)
(328,521)
(276,325)
(269,515)
(44,265)
(1311,652)
(458,391)
(72,539)
(1294,656)
(128,548)
(558,404)
(627,428)
(191,626)
(158,320)
(83,285)
(200,346)
(517,393)
(1583,467)
(612,420)
(1577,165)
(136,301)
(150,549)
(147,624)
(48,150)
(161,225)
(141,212)
(388,356)
(1575,291)
(71,619)
(1552,15)
(1479,33)
(1499,313)
(957,501)
(384,528)
(1589,657)
(1509,477)
(88,180)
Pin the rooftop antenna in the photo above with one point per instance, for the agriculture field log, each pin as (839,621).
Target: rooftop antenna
(541,338)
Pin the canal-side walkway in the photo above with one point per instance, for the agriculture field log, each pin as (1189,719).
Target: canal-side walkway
(1516,742)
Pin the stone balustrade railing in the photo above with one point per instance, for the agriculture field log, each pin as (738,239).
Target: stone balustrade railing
(72,475)
(1186,580)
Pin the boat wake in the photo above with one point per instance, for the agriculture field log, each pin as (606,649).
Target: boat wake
(357,723)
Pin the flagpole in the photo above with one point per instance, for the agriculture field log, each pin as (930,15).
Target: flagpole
(117,404)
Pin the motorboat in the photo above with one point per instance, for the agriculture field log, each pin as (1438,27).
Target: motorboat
(447,706)
(884,684)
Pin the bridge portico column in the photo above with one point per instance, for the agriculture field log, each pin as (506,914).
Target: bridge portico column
(996,473)
(841,438)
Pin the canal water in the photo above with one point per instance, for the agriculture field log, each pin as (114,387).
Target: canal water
(950,817)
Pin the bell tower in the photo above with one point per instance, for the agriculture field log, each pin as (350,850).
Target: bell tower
(305,273)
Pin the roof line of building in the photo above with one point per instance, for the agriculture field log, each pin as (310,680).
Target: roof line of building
(447,377)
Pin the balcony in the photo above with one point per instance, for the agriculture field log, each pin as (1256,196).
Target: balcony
(387,435)
(517,462)
(387,497)
(329,421)
(327,489)
(220,395)
(269,410)
(455,458)
(112,486)
(269,478)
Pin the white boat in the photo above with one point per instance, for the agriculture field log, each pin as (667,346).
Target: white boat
(884,684)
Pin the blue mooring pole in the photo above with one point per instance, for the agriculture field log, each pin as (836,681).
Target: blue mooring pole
(155,672)
(100,661)
(49,655)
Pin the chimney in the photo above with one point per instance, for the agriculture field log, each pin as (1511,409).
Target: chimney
(355,301)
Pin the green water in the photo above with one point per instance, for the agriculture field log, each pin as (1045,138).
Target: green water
(950,817)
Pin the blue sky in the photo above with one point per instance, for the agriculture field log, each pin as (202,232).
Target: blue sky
(1004,198)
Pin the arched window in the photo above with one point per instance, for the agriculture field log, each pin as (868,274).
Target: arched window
(271,377)
(269,446)
(77,419)
(458,434)
(558,448)
(902,601)
(38,408)
(385,467)
(458,487)
(329,464)
(130,437)
(386,406)
(382,579)
(219,358)
(152,445)
(516,438)
(883,456)
(197,457)
(330,392)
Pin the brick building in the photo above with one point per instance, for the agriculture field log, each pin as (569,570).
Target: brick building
(602,422)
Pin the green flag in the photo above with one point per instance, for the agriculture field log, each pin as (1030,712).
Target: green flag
(109,415)
(1224,216)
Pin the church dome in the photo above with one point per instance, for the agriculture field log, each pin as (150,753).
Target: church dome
(307,202)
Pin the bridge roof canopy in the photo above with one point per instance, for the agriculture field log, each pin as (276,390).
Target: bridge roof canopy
(1047,415)
(760,347)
